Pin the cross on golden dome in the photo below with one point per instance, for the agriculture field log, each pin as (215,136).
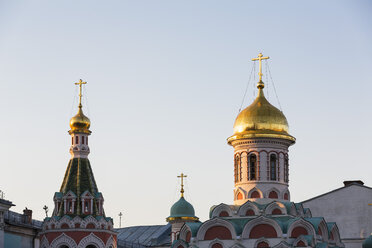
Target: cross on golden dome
(260,58)
(80,83)
(182,176)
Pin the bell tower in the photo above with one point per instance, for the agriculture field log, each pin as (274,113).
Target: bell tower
(78,219)
(261,141)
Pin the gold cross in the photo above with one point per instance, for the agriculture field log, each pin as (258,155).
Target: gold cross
(182,176)
(260,58)
(80,83)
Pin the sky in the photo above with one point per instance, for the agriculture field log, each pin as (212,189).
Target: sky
(166,80)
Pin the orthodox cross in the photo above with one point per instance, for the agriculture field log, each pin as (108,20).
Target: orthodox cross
(120,214)
(260,58)
(80,83)
(46,209)
(182,176)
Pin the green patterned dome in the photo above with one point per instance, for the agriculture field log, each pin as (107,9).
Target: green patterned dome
(368,242)
(182,210)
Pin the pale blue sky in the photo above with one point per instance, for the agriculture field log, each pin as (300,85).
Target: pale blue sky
(165,82)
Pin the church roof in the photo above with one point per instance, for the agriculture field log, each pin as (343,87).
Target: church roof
(79,177)
(144,236)
(79,182)
(357,183)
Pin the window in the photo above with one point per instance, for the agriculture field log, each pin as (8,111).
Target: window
(239,196)
(262,244)
(273,167)
(86,203)
(249,212)
(286,165)
(273,195)
(255,194)
(236,168)
(263,230)
(252,170)
(77,139)
(285,196)
(224,214)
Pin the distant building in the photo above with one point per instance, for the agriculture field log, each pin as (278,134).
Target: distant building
(144,236)
(348,207)
(18,230)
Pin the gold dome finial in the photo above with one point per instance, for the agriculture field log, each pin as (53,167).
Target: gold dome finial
(80,83)
(260,119)
(182,176)
(80,122)
(260,84)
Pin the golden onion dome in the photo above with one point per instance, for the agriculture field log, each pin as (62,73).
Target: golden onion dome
(261,119)
(80,122)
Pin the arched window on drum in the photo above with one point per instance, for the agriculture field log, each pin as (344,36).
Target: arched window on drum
(286,172)
(236,168)
(273,162)
(252,167)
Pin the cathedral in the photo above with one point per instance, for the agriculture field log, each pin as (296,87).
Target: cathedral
(262,214)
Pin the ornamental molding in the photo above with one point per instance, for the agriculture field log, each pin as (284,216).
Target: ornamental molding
(261,141)
(282,244)
(302,238)
(63,239)
(220,208)
(215,241)
(272,189)
(215,222)
(91,239)
(324,230)
(101,224)
(261,220)
(183,232)
(44,242)
(255,189)
(261,240)
(301,223)
(178,243)
(242,191)
(269,208)
(111,242)
(246,206)
(237,246)
(285,192)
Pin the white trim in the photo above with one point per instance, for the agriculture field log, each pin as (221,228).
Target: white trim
(91,239)
(215,222)
(63,239)
(261,220)
(246,206)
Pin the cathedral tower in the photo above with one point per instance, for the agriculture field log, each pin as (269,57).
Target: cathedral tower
(261,142)
(78,219)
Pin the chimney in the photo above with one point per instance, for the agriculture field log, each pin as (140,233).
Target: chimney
(27,214)
(348,183)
